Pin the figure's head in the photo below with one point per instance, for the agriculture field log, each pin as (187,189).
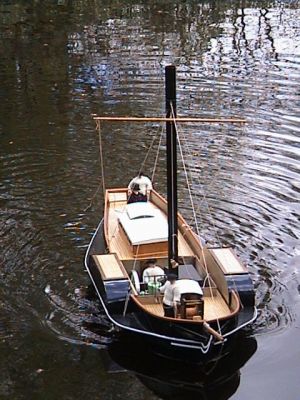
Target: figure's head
(136,188)
(172,278)
(152,262)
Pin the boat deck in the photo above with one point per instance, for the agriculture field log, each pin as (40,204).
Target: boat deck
(213,307)
(117,243)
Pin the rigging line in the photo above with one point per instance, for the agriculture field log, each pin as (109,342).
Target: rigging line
(92,198)
(188,184)
(207,205)
(185,172)
(190,194)
(136,257)
(141,168)
(190,155)
(149,149)
(124,207)
(204,197)
(130,290)
(126,302)
(191,178)
(102,169)
(193,208)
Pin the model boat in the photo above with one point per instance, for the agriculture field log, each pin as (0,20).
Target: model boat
(130,234)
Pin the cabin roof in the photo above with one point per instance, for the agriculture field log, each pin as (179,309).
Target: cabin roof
(144,224)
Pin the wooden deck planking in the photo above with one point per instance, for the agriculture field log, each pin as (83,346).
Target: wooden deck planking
(156,309)
(213,308)
(118,245)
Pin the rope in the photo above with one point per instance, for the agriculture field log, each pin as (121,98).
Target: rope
(92,198)
(185,172)
(129,291)
(102,168)
(126,302)
(193,208)
(149,149)
(189,188)
(101,158)
(204,197)
(136,258)
(147,154)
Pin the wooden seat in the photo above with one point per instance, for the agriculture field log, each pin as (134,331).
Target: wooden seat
(228,261)
(110,267)
(117,197)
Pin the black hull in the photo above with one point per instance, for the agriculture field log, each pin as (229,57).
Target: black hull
(185,339)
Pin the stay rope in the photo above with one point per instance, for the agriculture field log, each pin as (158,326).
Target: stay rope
(147,154)
(185,172)
(193,209)
(98,128)
(204,196)
(101,159)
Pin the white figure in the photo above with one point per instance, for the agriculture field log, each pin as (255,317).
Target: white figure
(184,286)
(152,272)
(168,300)
(144,183)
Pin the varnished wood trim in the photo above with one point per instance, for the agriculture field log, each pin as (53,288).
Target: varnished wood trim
(106,210)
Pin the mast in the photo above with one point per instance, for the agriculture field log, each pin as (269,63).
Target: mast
(170,87)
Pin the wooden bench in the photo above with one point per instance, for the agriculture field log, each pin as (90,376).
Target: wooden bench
(115,197)
(228,261)
(110,267)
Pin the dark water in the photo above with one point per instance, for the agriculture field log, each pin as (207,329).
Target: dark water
(62,60)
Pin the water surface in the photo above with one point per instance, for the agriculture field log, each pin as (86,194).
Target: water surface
(61,61)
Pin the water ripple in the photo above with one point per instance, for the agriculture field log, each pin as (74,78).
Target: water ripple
(108,60)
